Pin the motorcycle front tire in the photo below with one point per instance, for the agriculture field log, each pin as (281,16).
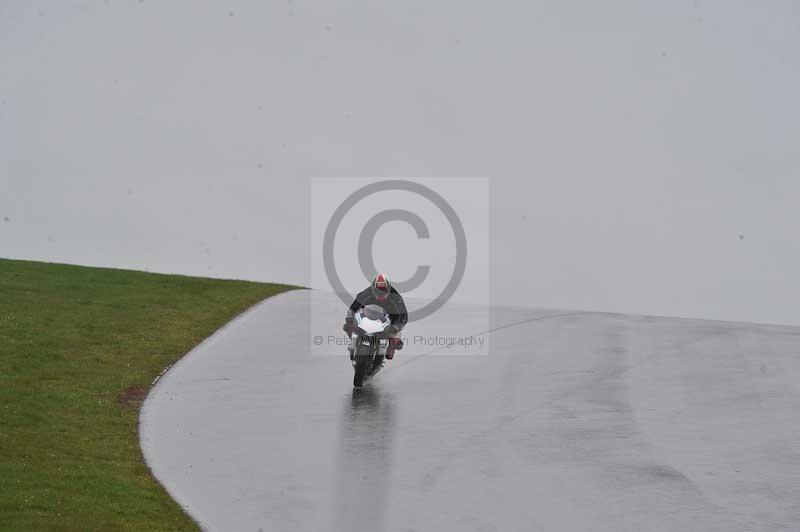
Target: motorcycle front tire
(363,358)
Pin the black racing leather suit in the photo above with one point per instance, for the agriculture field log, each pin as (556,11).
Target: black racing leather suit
(393,304)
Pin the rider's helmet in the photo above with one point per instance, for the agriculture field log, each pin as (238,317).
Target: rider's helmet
(381,286)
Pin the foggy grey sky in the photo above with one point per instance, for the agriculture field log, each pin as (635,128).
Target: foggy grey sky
(629,144)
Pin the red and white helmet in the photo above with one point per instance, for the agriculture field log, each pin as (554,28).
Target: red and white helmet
(381,286)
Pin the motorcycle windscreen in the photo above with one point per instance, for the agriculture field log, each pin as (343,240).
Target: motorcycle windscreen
(374,312)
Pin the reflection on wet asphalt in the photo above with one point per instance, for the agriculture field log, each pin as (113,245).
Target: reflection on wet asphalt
(575,421)
(364,460)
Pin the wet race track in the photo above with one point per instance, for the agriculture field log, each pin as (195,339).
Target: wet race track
(575,421)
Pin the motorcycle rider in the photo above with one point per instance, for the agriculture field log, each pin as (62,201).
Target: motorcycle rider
(382,293)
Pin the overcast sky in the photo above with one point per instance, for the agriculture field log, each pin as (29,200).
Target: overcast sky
(643,156)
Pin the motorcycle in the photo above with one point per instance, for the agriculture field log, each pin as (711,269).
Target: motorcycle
(369,342)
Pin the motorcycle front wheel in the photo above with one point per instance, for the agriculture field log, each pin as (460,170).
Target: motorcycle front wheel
(363,356)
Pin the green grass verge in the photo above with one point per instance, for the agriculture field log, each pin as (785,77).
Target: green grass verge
(79,348)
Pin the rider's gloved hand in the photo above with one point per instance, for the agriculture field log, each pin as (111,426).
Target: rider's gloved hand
(395,343)
(348,326)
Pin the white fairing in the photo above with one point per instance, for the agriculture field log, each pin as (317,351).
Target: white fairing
(371,326)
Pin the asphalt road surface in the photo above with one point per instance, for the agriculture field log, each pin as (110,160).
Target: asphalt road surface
(575,421)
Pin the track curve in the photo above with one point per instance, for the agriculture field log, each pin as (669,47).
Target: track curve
(576,421)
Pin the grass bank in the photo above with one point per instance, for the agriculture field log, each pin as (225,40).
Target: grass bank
(79,348)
